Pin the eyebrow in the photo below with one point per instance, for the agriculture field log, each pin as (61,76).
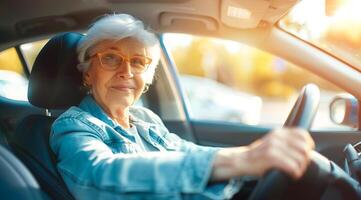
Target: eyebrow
(117,49)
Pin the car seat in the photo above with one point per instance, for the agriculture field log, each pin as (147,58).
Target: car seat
(16,181)
(54,84)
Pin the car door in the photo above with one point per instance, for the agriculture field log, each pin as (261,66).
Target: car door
(233,94)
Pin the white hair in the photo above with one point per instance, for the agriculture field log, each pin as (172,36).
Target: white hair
(117,27)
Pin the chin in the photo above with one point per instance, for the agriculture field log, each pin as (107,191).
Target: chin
(121,102)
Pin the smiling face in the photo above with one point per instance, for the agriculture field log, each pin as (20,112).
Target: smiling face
(115,90)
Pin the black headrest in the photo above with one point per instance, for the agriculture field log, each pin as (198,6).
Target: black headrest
(54,81)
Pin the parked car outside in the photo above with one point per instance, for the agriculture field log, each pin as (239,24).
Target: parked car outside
(211,100)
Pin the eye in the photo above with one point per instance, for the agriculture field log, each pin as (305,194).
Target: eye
(111,59)
(138,61)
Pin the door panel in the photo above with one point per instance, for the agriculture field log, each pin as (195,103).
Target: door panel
(332,143)
(225,134)
(329,144)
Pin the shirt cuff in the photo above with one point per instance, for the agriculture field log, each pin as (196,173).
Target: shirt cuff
(224,190)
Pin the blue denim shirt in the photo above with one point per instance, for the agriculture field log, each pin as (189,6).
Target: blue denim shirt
(98,159)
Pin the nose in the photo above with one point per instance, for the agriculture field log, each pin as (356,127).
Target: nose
(125,70)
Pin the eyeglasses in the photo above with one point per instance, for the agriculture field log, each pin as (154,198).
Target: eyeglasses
(112,60)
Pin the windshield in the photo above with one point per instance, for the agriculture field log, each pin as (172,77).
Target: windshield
(332,25)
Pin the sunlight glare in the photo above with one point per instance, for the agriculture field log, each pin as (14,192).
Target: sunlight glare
(312,15)
(26,47)
(231,46)
(175,40)
(349,10)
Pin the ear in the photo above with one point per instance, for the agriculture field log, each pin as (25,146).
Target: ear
(87,78)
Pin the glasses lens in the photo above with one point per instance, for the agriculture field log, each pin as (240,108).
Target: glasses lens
(111,60)
(139,63)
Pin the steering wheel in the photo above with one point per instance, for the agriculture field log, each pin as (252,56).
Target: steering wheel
(275,183)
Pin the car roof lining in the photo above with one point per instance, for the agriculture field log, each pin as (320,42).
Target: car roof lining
(47,18)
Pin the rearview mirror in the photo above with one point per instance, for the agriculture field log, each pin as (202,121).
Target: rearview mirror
(344,110)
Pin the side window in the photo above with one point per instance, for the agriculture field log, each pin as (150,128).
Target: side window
(13,82)
(30,51)
(229,81)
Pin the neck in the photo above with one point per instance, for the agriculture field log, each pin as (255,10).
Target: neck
(123,121)
(120,115)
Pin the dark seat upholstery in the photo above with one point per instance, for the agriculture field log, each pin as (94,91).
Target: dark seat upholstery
(54,83)
(16,181)
(31,144)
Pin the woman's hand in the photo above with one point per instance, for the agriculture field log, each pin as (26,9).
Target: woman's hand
(285,149)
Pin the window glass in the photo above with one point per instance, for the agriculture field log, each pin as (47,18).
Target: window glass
(332,25)
(31,51)
(229,81)
(13,80)
(13,84)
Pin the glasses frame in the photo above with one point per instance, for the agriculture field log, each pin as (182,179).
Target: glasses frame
(126,59)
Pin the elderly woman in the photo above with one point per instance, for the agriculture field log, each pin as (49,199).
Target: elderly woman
(108,148)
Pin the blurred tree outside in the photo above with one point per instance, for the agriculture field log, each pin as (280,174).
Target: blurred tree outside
(244,68)
(343,38)
(9,60)
(339,33)
(31,51)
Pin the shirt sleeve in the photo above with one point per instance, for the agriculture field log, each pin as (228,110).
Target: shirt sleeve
(87,160)
(224,190)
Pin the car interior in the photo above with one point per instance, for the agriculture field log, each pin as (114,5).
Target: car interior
(28,166)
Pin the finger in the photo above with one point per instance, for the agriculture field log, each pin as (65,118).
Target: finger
(301,146)
(301,158)
(287,165)
(297,151)
(298,139)
(302,134)
(291,149)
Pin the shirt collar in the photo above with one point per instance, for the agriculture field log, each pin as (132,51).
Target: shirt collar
(88,104)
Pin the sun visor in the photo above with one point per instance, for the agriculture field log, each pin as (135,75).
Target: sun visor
(246,14)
